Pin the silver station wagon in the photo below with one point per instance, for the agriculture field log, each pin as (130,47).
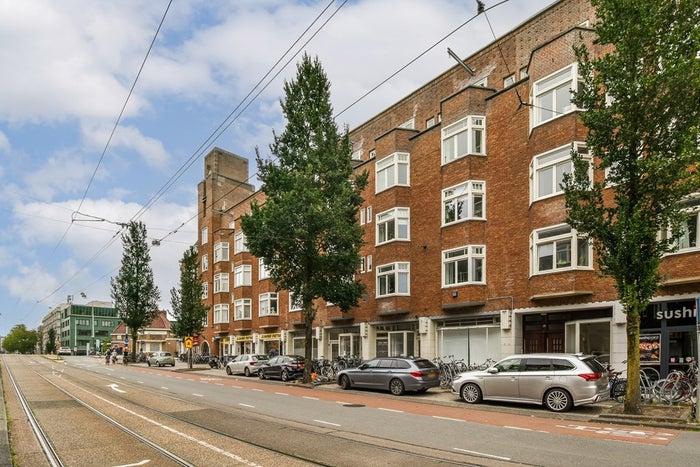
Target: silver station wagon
(557,381)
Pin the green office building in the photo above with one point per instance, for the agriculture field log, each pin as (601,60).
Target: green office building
(87,327)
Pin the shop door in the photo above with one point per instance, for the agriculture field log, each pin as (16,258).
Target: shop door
(543,342)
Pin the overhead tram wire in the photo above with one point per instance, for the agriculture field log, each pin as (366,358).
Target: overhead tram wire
(230,119)
(116,123)
(480,10)
(214,135)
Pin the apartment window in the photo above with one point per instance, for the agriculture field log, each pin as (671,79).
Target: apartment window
(688,235)
(368,263)
(221,282)
(467,136)
(393,279)
(205,290)
(239,243)
(205,263)
(241,309)
(263,271)
(356,155)
(205,320)
(559,247)
(205,235)
(295,303)
(552,95)
(391,171)
(243,275)
(393,225)
(464,201)
(464,265)
(362,217)
(547,171)
(267,304)
(509,81)
(221,252)
(409,124)
(523,72)
(430,122)
(368,214)
(221,313)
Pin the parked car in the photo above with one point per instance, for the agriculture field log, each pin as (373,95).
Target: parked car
(64,351)
(284,367)
(394,374)
(161,359)
(557,381)
(248,364)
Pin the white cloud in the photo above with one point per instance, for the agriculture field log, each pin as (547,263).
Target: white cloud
(4,145)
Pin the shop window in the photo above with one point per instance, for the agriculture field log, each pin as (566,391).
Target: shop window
(588,337)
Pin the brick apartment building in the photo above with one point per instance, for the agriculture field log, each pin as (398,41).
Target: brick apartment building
(466,249)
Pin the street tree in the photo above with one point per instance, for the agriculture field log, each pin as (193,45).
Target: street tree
(20,339)
(188,309)
(306,231)
(134,291)
(642,108)
(50,346)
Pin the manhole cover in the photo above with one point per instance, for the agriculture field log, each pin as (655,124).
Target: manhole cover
(353,405)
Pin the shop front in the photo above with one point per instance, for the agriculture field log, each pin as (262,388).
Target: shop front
(471,339)
(668,335)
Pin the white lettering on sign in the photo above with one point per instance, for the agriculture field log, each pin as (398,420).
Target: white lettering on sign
(682,313)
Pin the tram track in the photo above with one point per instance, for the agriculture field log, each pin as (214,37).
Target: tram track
(251,430)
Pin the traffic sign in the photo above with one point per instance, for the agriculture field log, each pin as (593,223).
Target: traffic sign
(188,342)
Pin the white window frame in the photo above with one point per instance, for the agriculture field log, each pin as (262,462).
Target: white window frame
(464,201)
(464,265)
(294,304)
(552,166)
(243,275)
(221,313)
(242,309)
(205,263)
(205,290)
(563,245)
(393,279)
(551,95)
(263,271)
(393,225)
(221,252)
(205,235)
(221,282)
(393,170)
(465,137)
(268,304)
(689,235)
(239,243)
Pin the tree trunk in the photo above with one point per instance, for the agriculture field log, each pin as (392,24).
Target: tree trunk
(308,343)
(633,404)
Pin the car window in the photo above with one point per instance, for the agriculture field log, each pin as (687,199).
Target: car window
(372,364)
(562,364)
(273,360)
(510,365)
(594,365)
(401,364)
(385,363)
(166,354)
(422,363)
(261,357)
(538,364)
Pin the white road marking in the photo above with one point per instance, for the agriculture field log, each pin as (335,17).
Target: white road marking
(327,423)
(115,387)
(390,410)
(518,428)
(448,418)
(197,395)
(143,462)
(281,393)
(621,432)
(163,387)
(482,454)
(246,405)
(310,398)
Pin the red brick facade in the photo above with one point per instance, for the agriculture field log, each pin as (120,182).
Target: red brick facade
(512,307)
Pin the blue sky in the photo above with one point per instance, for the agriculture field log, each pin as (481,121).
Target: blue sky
(67,70)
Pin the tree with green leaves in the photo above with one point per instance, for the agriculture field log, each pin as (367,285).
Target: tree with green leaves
(20,339)
(50,346)
(188,309)
(642,111)
(134,291)
(306,230)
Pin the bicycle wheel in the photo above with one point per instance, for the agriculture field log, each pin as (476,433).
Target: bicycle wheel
(618,390)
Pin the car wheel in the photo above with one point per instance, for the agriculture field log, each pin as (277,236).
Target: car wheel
(228,370)
(558,400)
(396,387)
(471,393)
(149,363)
(285,375)
(158,364)
(344,382)
(261,374)
(246,371)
